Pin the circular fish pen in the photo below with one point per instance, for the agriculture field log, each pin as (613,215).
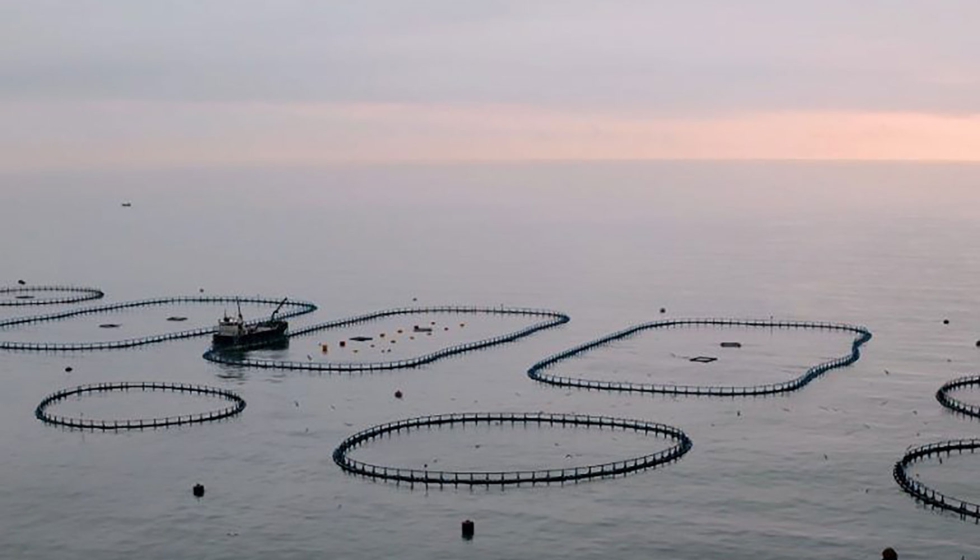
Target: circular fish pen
(923,493)
(42,413)
(341,455)
(927,495)
(539,371)
(950,403)
(291,308)
(25,295)
(549,318)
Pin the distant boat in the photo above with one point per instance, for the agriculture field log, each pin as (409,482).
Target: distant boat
(234,331)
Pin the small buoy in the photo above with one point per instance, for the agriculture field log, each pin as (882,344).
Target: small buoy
(663,309)
(469,529)
(198,490)
(326,348)
(393,341)
(978,344)
(398,394)
(400,331)
(415,299)
(22,283)
(445,328)
(413,338)
(68,369)
(200,290)
(889,554)
(382,335)
(355,350)
(343,343)
(432,323)
(945,321)
(461,325)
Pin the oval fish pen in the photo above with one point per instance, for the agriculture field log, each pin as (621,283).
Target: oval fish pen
(291,309)
(920,491)
(550,319)
(23,295)
(681,446)
(539,372)
(42,414)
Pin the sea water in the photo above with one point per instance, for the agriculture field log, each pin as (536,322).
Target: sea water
(894,247)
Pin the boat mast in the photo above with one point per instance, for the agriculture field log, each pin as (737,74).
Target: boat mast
(281,303)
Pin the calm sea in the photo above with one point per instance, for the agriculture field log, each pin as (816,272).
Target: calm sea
(895,247)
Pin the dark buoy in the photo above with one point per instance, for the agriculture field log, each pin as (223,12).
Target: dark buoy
(342,343)
(398,394)
(200,290)
(663,309)
(468,529)
(68,369)
(22,283)
(889,554)
(198,490)
(978,344)
(945,321)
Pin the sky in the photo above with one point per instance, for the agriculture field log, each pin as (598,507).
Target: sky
(124,84)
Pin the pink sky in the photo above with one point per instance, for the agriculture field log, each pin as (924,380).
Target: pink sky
(138,134)
(117,83)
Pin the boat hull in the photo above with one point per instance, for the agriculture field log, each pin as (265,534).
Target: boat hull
(261,334)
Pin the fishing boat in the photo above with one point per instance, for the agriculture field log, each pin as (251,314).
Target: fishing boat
(234,331)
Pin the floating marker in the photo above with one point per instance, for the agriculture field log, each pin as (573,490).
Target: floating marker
(198,490)
(945,321)
(663,309)
(343,343)
(469,529)
(731,344)
(68,369)
(398,394)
